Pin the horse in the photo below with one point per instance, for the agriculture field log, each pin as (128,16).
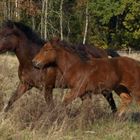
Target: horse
(25,43)
(121,74)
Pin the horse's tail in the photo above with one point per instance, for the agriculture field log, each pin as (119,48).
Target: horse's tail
(112,53)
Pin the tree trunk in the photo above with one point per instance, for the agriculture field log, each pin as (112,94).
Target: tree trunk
(17,10)
(44,15)
(86,25)
(8,9)
(45,19)
(42,18)
(4,10)
(68,34)
(61,19)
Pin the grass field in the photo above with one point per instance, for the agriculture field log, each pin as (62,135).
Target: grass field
(31,119)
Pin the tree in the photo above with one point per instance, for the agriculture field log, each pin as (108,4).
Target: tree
(104,23)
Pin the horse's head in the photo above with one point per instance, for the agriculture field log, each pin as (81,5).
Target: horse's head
(46,56)
(8,37)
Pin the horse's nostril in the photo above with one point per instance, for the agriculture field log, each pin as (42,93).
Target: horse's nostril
(34,63)
(37,64)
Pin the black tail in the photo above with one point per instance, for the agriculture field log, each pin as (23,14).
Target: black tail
(112,53)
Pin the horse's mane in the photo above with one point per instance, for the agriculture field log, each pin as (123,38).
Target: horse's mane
(79,49)
(30,34)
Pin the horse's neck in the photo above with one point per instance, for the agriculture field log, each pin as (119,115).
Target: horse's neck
(66,60)
(26,51)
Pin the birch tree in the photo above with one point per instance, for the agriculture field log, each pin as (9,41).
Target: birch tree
(17,10)
(86,24)
(4,9)
(61,19)
(44,15)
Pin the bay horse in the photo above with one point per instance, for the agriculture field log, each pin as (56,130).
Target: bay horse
(25,43)
(121,74)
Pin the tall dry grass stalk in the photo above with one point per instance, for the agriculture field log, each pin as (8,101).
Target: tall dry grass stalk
(31,119)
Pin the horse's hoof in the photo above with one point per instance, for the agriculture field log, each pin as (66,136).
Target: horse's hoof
(114,112)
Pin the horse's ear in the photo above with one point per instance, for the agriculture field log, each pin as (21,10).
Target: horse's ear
(55,40)
(48,44)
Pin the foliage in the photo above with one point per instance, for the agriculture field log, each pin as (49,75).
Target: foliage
(112,23)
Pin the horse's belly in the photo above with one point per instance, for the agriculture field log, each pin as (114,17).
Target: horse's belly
(105,82)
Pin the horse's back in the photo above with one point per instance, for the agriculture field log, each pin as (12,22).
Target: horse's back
(129,63)
(129,69)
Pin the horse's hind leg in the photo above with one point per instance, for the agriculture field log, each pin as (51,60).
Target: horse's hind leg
(137,96)
(21,89)
(109,97)
(126,99)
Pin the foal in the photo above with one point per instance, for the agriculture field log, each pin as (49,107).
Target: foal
(121,74)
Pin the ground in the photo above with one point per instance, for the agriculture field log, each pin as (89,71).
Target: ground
(31,119)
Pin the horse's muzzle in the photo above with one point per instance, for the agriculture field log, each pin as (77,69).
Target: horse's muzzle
(37,64)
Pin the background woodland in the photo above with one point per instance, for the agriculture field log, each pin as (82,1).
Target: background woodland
(104,23)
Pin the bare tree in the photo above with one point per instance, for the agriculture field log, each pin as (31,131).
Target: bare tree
(61,19)
(42,17)
(86,24)
(4,7)
(45,19)
(17,10)
(44,14)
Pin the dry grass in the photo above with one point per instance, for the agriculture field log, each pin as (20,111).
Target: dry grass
(31,119)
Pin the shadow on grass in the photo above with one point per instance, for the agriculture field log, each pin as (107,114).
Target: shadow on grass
(135,117)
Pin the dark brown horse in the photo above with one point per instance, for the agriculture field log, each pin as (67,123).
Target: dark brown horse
(20,39)
(121,74)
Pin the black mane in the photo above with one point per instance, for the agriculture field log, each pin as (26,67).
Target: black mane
(30,34)
(79,49)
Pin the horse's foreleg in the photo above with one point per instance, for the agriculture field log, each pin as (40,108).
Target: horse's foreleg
(86,96)
(49,95)
(109,97)
(73,94)
(136,94)
(21,89)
